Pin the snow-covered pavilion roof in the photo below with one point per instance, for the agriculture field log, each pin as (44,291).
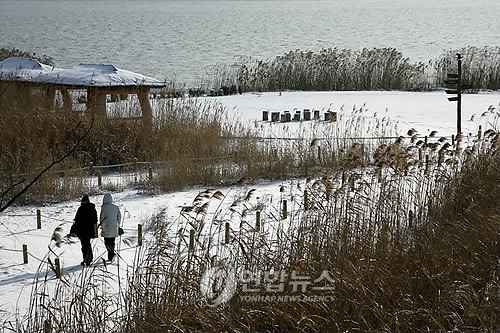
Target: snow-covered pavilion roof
(29,70)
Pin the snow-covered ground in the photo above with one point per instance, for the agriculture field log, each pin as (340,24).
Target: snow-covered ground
(424,112)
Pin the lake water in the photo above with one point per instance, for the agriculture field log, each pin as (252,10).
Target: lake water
(183,39)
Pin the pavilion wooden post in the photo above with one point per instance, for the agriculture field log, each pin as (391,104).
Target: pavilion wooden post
(100,105)
(96,102)
(67,102)
(147,112)
(51,95)
(91,100)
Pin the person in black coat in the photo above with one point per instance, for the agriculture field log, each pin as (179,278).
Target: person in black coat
(85,228)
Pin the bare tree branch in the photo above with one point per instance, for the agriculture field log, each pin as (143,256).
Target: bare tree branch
(4,193)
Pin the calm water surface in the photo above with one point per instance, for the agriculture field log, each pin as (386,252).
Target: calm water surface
(182,39)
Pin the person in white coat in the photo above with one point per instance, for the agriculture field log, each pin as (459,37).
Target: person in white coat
(110,219)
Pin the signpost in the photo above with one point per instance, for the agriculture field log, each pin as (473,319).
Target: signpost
(455,79)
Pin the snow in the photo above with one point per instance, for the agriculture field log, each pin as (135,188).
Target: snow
(22,69)
(88,75)
(424,111)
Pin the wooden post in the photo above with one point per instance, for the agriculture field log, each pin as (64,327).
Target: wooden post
(284,212)
(147,112)
(316,114)
(453,139)
(425,141)
(306,201)
(459,94)
(139,234)
(135,169)
(99,178)
(420,156)
(257,221)
(58,268)
(265,115)
(100,104)
(96,102)
(378,173)
(307,114)
(227,233)
(427,166)
(25,253)
(150,170)
(67,102)
(51,95)
(275,116)
(47,326)
(479,133)
(191,240)
(38,219)
(333,116)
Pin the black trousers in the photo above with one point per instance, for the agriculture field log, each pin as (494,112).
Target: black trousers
(87,254)
(110,246)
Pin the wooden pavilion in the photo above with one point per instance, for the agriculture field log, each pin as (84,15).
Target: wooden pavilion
(22,79)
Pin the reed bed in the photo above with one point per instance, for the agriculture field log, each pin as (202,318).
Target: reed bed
(480,67)
(405,245)
(366,69)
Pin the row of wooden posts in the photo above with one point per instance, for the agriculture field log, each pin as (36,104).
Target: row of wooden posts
(39,226)
(284,215)
(286,116)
